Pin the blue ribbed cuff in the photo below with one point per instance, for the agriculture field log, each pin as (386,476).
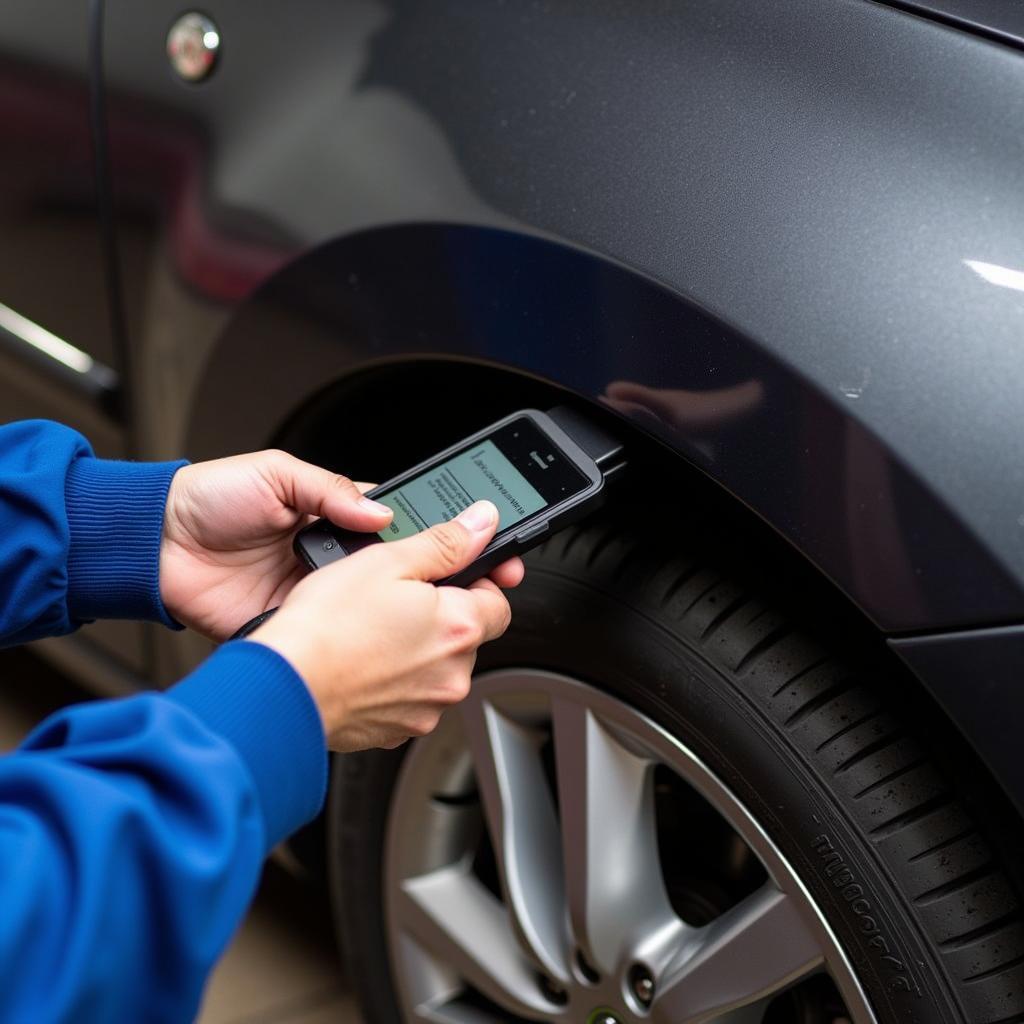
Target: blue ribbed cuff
(116,519)
(251,696)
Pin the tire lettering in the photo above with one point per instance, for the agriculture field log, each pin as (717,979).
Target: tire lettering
(859,904)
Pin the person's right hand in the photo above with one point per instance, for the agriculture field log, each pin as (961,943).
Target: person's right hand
(383,651)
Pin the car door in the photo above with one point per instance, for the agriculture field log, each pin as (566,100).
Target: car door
(58,350)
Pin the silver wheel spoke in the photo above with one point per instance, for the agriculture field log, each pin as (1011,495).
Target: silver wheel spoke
(757,948)
(431,984)
(523,826)
(450,913)
(613,872)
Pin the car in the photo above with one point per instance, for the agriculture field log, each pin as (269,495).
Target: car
(750,750)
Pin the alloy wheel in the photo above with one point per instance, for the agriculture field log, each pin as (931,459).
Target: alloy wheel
(554,855)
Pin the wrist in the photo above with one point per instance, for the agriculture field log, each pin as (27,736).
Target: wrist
(297,646)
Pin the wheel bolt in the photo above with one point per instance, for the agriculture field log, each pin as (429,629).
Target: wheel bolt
(641,984)
(552,990)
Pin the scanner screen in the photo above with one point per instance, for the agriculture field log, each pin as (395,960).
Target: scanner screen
(442,492)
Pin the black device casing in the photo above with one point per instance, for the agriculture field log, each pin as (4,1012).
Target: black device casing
(322,542)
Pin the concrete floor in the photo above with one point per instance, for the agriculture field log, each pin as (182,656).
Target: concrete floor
(281,967)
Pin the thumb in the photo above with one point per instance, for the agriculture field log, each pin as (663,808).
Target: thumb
(447,547)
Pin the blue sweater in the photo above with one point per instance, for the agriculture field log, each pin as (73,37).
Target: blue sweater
(131,831)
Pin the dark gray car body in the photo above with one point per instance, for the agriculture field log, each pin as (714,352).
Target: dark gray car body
(822,196)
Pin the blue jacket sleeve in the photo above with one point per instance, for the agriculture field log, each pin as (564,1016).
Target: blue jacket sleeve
(79,536)
(132,834)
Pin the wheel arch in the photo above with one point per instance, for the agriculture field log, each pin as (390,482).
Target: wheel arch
(558,320)
(374,349)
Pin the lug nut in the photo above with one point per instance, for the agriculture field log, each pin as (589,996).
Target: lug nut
(641,984)
(552,990)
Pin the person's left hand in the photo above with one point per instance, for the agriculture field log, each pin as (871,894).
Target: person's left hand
(226,553)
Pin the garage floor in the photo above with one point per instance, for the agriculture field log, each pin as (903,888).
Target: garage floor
(281,968)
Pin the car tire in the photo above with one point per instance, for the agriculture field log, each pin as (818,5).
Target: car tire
(896,834)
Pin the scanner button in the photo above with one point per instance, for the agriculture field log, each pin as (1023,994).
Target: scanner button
(533,531)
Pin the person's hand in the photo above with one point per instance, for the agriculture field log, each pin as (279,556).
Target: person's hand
(383,651)
(226,553)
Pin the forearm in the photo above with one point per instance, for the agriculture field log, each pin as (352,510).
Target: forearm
(132,834)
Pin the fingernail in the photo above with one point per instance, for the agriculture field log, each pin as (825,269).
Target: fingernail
(374,506)
(478,517)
